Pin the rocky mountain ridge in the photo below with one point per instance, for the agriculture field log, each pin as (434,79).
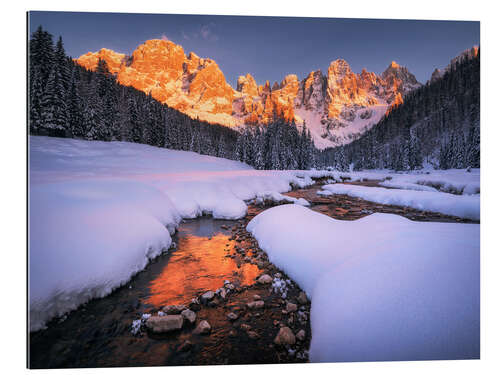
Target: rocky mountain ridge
(337,107)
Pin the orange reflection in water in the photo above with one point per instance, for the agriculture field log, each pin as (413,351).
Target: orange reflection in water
(199,264)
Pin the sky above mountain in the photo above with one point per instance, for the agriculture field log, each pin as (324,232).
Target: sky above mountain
(271,47)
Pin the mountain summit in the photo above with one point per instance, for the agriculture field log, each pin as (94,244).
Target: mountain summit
(337,107)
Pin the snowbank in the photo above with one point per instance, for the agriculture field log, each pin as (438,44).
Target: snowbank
(99,211)
(455,181)
(275,197)
(88,237)
(382,287)
(463,206)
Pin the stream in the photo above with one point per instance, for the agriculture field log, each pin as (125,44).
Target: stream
(208,252)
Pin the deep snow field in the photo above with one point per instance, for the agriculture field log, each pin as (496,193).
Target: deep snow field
(99,211)
(381,287)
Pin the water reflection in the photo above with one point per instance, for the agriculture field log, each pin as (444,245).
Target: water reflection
(198,264)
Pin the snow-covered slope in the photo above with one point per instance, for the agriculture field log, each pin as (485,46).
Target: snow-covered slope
(382,287)
(99,211)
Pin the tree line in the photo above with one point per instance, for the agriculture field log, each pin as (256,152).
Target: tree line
(67,100)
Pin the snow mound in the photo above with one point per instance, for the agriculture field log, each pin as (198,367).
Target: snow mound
(464,206)
(88,238)
(275,197)
(382,287)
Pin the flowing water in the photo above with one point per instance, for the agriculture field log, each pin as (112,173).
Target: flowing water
(199,264)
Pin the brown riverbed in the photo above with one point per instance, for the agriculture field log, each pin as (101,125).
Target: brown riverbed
(208,252)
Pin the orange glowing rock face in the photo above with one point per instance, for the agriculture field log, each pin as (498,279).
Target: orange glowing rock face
(202,267)
(197,87)
(190,84)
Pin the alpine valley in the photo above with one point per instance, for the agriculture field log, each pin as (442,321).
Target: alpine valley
(337,107)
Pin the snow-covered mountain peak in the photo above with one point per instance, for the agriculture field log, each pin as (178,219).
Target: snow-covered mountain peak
(337,107)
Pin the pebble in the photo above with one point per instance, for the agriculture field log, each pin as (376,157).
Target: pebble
(245,327)
(253,335)
(255,305)
(189,315)
(167,323)
(291,307)
(302,298)
(301,335)
(265,279)
(203,328)
(207,296)
(285,337)
(232,316)
(233,333)
(174,309)
(185,346)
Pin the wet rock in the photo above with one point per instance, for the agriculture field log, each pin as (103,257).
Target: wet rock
(221,292)
(245,327)
(203,328)
(302,298)
(284,337)
(265,279)
(301,335)
(255,305)
(185,346)
(253,335)
(233,333)
(163,324)
(189,315)
(194,307)
(207,296)
(256,297)
(174,309)
(291,307)
(232,316)
(224,226)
